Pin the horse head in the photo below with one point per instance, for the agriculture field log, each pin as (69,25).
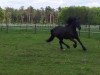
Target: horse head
(74,22)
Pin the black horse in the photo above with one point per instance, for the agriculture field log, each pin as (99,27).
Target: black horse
(67,32)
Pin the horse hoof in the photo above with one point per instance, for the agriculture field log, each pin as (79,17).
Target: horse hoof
(63,49)
(74,46)
(85,49)
(68,47)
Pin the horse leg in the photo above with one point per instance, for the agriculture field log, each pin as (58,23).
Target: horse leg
(81,44)
(75,43)
(60,42)
(65,44)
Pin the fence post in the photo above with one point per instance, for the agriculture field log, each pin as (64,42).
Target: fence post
(89,34)
(99,27)
(1,27)
(35,29)
(6,25)
(26,27)
(79,32)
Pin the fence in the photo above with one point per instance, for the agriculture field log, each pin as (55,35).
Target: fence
(34,28)
(90,31)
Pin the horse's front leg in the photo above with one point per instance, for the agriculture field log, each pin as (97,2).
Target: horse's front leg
(81,44)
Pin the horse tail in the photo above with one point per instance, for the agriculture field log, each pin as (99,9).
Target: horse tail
(51,37)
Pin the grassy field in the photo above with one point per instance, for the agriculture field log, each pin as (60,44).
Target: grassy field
(29,54)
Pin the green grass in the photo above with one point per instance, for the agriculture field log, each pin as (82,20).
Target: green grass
(29,54)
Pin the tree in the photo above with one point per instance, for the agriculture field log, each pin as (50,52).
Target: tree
(1,15)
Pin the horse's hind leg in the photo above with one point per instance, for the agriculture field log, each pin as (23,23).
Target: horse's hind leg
(61,42)
(66,45)
(75,43)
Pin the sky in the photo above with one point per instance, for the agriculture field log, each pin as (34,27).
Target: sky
(52,3)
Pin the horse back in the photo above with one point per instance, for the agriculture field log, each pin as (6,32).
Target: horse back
(64,32)
(59,29)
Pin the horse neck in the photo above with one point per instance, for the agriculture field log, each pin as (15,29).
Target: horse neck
(72,27)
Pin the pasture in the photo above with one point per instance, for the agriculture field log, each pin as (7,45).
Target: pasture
(25,53)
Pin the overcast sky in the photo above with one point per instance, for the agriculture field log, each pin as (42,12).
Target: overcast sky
(52,3)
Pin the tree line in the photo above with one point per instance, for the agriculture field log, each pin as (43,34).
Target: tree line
(50,15)
(86,15)
(29,15)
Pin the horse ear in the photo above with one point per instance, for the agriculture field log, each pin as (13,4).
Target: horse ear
(69,20)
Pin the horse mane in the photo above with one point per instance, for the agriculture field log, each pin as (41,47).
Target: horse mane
(71,20)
